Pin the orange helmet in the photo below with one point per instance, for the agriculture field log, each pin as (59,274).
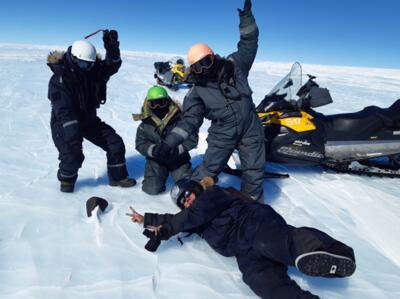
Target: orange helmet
(198,52)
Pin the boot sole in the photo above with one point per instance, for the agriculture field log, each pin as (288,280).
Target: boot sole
(322,263)
(115,184)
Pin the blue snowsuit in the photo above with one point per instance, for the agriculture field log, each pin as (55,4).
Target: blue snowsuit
(75,96)
(227,101)
(260,239)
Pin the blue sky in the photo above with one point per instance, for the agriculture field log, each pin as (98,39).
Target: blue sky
(336,32)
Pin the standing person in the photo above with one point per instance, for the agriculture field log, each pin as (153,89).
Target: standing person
(76,89)
(222,94)
(260,239)
(159,116)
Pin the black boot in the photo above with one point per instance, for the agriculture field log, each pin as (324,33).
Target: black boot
(326,264)
(124,183)
(67,187)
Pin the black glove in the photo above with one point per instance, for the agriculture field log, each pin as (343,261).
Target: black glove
(175,153)
(111,43)
(162,151)
(246,7)
(154,242)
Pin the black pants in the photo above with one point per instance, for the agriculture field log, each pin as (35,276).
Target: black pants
(156,175)
(275,247)
(99,133)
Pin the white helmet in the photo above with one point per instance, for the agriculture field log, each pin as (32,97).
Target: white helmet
(84,50)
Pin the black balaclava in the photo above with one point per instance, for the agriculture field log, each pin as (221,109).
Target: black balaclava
(161,112)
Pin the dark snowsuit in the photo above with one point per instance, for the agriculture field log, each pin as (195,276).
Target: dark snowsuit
(260,239)
(150,133)
(234,122)
(75,96)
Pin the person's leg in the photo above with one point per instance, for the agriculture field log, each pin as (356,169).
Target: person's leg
(312,251)
(155,176)
(269,279)
(184,171)
(215,158)
(105,137)
(71,158)
(318,254)
(252,161)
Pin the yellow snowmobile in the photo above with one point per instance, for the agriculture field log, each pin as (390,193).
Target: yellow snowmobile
(171,74)
(364,142)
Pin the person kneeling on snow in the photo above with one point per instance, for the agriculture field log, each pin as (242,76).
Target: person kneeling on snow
(260,239)
(76,90)
(159,116)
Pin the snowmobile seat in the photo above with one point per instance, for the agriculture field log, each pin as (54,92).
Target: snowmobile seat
(361,125)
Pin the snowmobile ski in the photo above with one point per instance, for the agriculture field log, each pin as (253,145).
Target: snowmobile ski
(267,175)
(362,170)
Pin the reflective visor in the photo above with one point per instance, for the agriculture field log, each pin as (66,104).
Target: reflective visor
(82,64)
(158,103)
(203,64)
(181,200)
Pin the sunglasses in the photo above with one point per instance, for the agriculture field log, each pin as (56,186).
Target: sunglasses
(182,198)
(203,64)
(159,103)
(82,64)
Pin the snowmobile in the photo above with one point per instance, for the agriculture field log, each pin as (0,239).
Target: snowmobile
(365,142)
(171,74)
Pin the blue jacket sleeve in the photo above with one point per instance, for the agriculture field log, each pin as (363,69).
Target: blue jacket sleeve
(248,44)
(172,224)
(192,118)
(207,207)
(142,144)
(111,64)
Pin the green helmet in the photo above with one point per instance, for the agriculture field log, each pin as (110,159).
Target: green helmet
(157,92)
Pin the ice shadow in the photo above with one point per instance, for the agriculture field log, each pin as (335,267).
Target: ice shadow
(135,165)
(321,283)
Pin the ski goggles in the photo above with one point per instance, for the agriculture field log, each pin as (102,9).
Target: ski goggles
(180,201)
(83,64)
(203,64)
(158,103)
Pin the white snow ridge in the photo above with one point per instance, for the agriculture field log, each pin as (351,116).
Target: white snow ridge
(48,249)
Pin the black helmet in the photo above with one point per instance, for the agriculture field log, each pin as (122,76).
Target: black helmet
(183,188)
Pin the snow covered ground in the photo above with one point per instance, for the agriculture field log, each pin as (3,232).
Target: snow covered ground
(49,250)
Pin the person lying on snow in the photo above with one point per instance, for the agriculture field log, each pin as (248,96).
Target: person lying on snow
(159,116)
(260,239)
(76,90)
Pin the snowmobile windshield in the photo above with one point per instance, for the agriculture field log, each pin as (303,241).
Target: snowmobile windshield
(177,60)
(287,88)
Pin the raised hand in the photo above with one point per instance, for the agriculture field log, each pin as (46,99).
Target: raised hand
(135,216)
(246,8)
(110,39)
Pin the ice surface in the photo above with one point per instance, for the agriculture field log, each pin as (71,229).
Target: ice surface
(48,249)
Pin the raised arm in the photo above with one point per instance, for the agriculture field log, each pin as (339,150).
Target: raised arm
(113,61)
(248,44)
